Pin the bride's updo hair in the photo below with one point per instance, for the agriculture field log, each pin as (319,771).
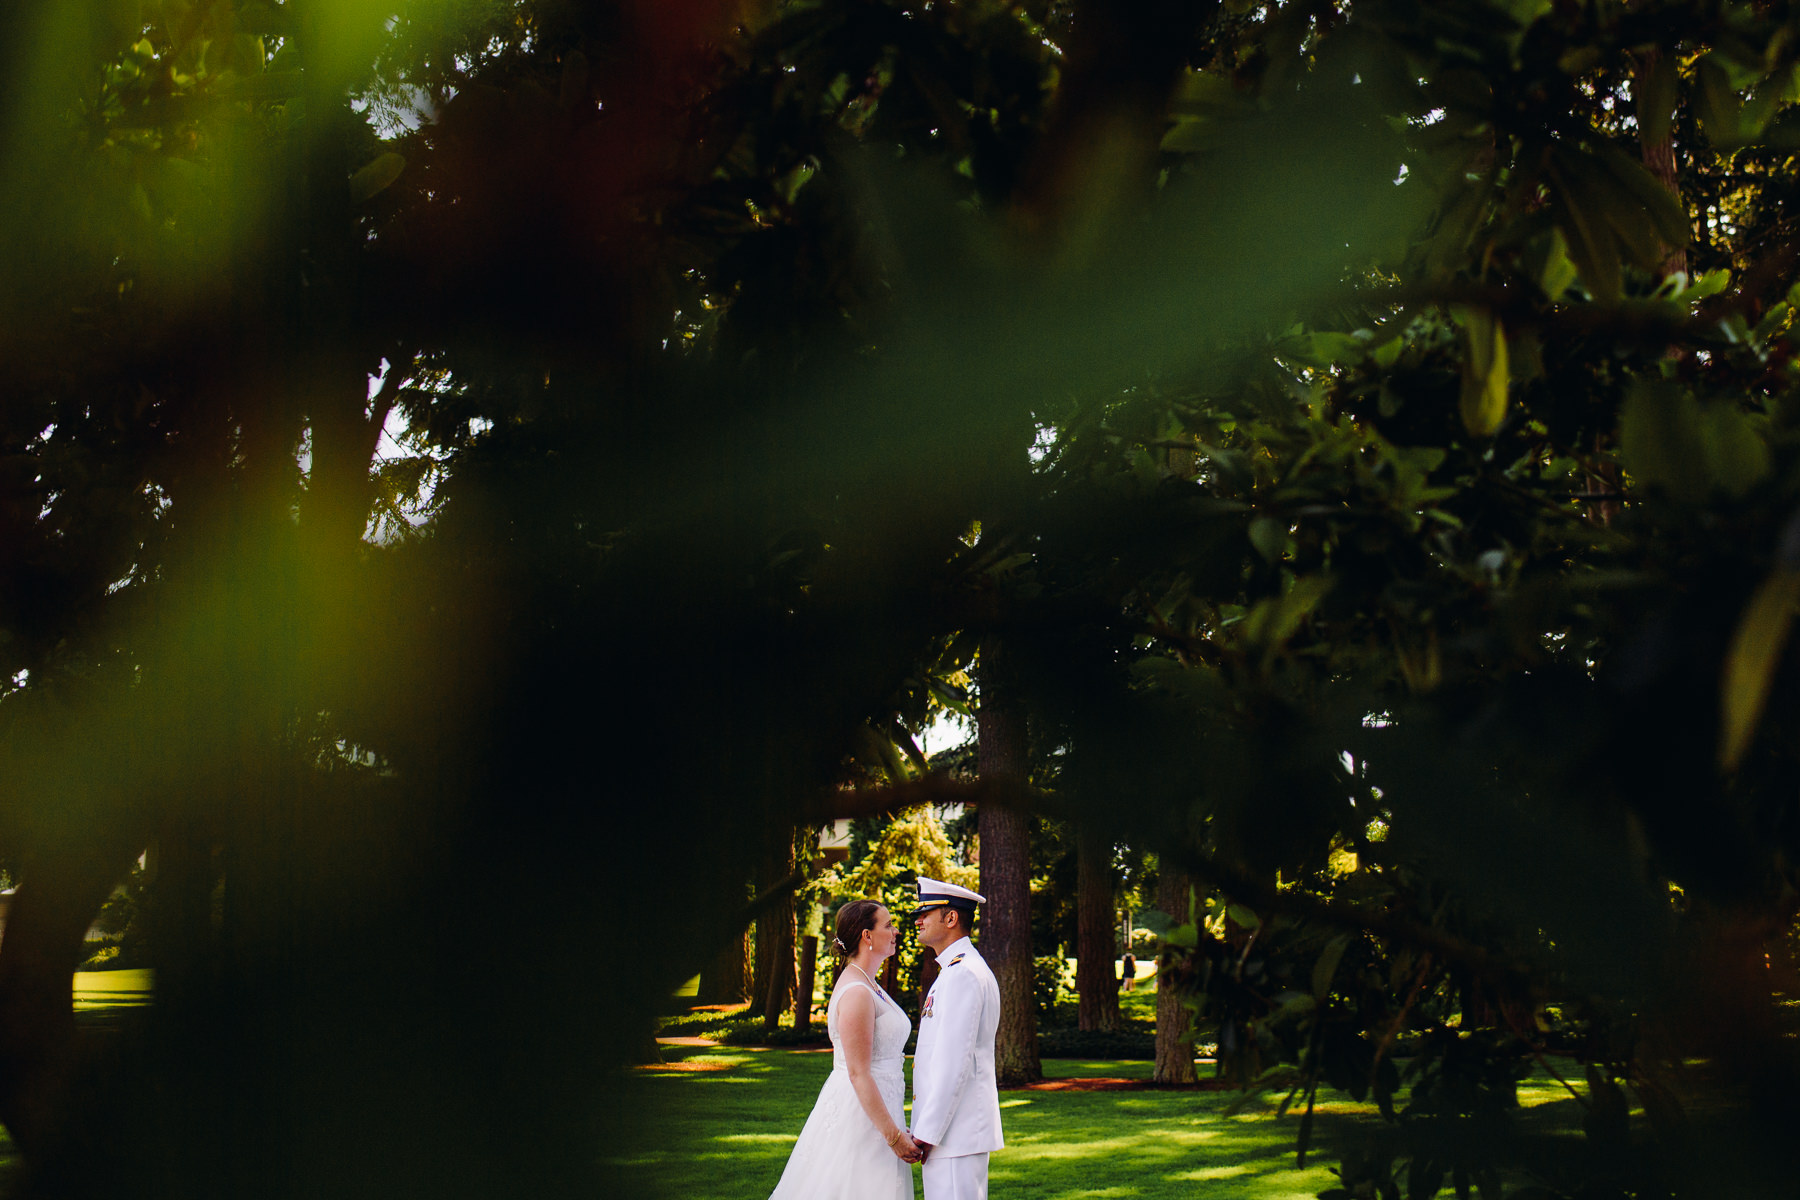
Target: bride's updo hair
(853,920)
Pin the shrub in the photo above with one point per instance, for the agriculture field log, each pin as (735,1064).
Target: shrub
(704,1024)
(1074,1043)
(1051,981)
(105,958)
(752,1033)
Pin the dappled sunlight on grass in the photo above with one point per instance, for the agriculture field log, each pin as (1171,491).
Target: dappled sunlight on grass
(731,1143)
(1079,1068)
(98,990)
(1061,1145)
(1208,1174)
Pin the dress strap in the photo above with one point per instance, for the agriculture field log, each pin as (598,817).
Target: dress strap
(844,985)
(869,983)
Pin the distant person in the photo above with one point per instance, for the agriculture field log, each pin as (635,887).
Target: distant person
(855,1146)
(956,1101)
(1128,970)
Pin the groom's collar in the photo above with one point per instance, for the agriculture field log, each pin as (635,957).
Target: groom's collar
(948,954)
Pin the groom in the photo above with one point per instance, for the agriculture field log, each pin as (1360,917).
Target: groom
(956,1103)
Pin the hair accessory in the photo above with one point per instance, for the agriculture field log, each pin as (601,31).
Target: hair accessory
(839,943)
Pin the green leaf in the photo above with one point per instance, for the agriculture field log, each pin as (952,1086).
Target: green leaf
(1718,104)
(1755,116)
(1734,448)
(1275,619)
(1206,93)
(1190,135)
(1269,536)
(1670,442)
(1751,660)
(1525,12)
(1709,284)
(1662,206)
(1591,242)
(1326,966)
(1601,194)
(1424,1178)
(376,176)
(1556,274)
(1485,373)
(1323,349)
(1659,427)
(1456,228)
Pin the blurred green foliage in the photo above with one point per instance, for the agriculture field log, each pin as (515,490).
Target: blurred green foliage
(450,452)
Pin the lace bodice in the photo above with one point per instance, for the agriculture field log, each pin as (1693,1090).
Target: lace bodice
(892,1028)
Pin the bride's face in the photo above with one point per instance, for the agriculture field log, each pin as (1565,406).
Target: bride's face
(884,937)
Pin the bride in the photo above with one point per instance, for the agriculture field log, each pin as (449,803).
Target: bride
(855,1145)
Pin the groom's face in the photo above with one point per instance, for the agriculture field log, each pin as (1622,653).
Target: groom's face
(935,931)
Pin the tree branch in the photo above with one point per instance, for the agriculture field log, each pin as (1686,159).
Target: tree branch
(931,789)
(1266,898)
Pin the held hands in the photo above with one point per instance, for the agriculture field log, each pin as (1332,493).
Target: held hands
(905,1148)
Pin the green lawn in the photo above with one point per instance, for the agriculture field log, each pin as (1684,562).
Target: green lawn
(112,989)
(719,1123)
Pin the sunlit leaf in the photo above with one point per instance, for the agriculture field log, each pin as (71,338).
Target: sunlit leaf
(1485,373)
(1556,272)
(376,176)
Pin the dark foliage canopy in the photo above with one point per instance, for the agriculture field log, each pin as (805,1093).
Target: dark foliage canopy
(470,468)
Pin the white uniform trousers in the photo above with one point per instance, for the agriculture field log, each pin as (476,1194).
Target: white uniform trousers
(963,1177)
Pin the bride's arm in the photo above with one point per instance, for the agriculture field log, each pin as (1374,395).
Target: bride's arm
(856,1026)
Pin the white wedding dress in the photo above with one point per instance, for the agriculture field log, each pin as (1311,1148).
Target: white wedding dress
(840,1154)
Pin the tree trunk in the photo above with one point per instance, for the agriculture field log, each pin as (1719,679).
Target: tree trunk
(774,980)
(1174,1057)
(1006,875)
(726,979)
(803,995)
(781,977)
(1096,987)
(1653,83)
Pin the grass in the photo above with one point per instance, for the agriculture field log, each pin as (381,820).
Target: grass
(720,1124)
(112,989)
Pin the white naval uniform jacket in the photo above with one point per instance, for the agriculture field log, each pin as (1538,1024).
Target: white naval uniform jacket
(956,1102)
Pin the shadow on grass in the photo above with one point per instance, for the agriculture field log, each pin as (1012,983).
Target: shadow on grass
(725,1131)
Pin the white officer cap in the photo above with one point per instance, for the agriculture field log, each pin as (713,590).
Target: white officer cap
(935,893)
